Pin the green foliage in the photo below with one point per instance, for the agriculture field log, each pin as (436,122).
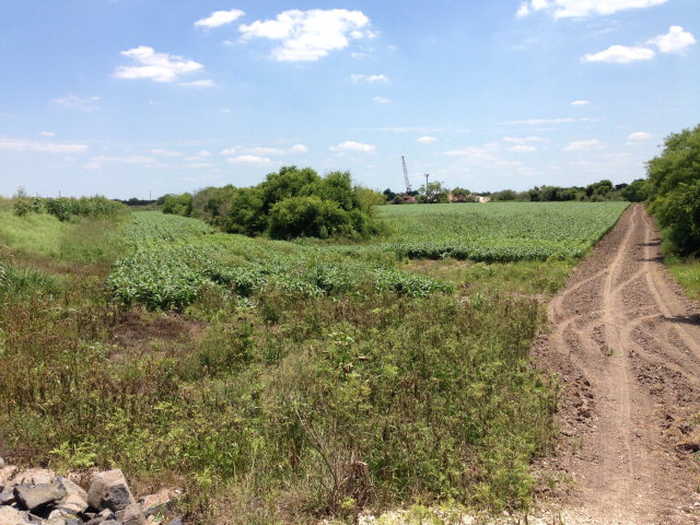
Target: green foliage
(433,193)
(308,217)
(637,191)
(688,274)
(178,204)
(290,203)
(678,212)
(65,208)
(171,265)
(674,189)
(498,232)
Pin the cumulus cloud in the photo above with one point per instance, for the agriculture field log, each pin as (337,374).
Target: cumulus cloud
(87,104)
(546,121)
(620,55)
(580,102)
(250,159)
(143,160)
(352,146)
(219,18)
(47,134)
(381,100)
(675,41)
(40,147)
(585,145)
(522,148)
(582,8)
(639,136)
(307,36)
(166,153)
(158,67)
(427,140)
(369,79)
(198,84)
(264,150)
(524,140)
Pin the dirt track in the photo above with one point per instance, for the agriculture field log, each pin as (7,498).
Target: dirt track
(627,345)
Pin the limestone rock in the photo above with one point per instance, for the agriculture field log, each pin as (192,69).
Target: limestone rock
(34,476)
(75,500)
(109,490)
(132,515)
(6,474)
(12,516)
(31,497)
(158,502)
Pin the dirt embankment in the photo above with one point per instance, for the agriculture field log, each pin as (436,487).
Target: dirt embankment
(626,343)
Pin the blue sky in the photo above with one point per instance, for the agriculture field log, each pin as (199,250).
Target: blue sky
(131,97)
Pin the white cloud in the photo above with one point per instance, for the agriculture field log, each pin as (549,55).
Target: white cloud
(166,153)
(159,67)
(639,136)
(381,100)
(250,159)
(583,8)
(198,84)
(620,55)
(474,153)
(675,41)
(370,79)
(219,18)
(307,36)
(522,148)
(585,145)
(351,145)
(40,147)
(82,103)
(299,148)
(427,140)
(580,102)
(524,140)
(264,150)
(98,161)
(546,121)
(47,134)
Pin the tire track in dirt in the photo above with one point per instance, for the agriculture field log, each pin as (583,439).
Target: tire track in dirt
(626,344)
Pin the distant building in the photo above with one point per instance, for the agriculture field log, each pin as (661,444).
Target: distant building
(484,200)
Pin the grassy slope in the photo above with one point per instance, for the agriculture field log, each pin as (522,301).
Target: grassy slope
(435,395)
(688,274)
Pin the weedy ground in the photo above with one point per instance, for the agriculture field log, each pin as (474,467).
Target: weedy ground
(687,272)
(270,402)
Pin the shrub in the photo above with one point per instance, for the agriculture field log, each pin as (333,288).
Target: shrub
(308,217)
(178,204)
(674,187)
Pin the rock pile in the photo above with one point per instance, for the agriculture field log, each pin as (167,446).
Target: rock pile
(40,497)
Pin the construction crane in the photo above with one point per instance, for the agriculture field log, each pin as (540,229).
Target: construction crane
(409,189)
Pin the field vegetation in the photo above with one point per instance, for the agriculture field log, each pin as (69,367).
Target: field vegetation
(282,382)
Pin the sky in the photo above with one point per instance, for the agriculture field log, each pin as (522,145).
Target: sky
(133,98)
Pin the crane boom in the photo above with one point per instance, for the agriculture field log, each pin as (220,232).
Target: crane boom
(409,189)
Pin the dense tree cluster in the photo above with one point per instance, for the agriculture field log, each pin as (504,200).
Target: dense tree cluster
(288,204)
(673,188)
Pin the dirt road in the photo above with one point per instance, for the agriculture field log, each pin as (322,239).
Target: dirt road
(627,345)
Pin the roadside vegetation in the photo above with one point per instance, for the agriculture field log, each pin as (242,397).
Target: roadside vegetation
(284,382)
(673,190)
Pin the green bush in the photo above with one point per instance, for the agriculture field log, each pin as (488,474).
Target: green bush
(674,189)
(178,204)
(308,217)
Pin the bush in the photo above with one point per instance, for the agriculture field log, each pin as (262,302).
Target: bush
(178,204)
(679,213)
(674,188)
(308,217)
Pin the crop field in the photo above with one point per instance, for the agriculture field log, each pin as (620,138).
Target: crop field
(342,377)
(172,258)
(498,232)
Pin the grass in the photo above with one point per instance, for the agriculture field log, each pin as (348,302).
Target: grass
(687,272)
(297,382)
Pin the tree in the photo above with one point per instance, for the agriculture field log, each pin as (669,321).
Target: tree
(638,191)
(308,217)
(674,189)
(433,193)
